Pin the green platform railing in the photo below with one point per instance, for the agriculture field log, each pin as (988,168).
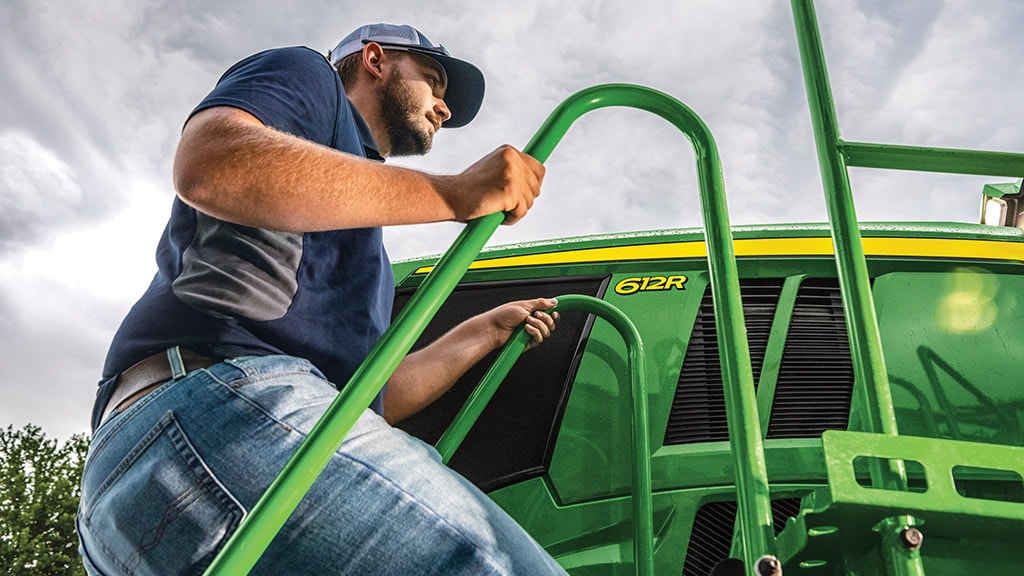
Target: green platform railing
(835,156)
(266,518)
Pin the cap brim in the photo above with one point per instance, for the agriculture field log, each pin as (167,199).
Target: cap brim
(465,91)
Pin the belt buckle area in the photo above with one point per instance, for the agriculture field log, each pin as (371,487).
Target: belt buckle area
(127,403)
(150,373)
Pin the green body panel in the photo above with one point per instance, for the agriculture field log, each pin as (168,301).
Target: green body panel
(953,343)
(951,328)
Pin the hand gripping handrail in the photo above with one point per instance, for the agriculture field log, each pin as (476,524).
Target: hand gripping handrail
(640,467)
(266,518)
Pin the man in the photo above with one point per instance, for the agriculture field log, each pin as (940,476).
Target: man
(273,284)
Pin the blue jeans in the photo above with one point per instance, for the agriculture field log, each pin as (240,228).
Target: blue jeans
(169,479)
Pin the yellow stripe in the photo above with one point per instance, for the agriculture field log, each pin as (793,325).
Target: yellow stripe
(899,247)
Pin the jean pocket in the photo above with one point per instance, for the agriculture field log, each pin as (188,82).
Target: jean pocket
(161,511)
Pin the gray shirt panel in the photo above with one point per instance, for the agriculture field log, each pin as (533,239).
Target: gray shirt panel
(237,271)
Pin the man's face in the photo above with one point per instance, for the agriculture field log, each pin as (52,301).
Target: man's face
(411,104)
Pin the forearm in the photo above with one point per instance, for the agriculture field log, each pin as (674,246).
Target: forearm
(232,167)
(426,374)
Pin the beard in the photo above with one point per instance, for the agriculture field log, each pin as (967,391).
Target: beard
(401,114)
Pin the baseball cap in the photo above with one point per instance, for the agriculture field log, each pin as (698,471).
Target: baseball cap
(465,91)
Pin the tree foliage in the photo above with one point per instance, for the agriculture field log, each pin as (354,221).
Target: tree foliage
(39,491)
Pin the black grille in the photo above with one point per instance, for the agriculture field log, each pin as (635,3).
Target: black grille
(816,374)
(698,409)
(815,380)
(711,536)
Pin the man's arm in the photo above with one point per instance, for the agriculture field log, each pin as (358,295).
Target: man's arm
(233,167)
(426,374)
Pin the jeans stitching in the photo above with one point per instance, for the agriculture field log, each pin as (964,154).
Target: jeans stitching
(240,364)
(117,472)
(129,459)
(251,376)
(185,450)
(121,422)
(138,407)
(202,487)
(234,386)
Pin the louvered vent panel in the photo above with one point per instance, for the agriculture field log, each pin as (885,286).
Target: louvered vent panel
(698,409)
(711,536)
(816,374)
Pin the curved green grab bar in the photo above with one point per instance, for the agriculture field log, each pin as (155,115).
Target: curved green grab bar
(484,391)
(266,518)
(641,492)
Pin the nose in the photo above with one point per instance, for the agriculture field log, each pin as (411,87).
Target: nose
(441,109)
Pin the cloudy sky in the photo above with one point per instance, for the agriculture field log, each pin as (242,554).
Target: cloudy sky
(94,95)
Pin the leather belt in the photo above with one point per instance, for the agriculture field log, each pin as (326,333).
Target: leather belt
(149,374)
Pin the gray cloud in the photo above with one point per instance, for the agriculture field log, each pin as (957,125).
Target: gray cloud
(94,99)
(38,193)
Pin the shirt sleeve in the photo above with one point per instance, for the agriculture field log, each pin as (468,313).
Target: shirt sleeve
(294,90)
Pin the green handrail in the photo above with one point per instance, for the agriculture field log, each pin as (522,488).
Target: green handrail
(875,395)
(930,159)
(752,493)
(266,518)
(641,490)
(834,157)
(858,306)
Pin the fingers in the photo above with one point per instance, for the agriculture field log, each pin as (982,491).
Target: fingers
(540,324)
(506,180)
(524,185)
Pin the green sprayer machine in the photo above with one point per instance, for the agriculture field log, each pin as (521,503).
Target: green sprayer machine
(833,399)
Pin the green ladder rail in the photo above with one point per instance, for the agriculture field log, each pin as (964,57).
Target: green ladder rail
(266,518)
(835,156)
(640,463)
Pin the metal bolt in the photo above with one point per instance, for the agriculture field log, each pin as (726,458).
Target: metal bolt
(769,566)
(911,538)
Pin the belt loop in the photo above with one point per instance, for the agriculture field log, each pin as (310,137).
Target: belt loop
(177,364)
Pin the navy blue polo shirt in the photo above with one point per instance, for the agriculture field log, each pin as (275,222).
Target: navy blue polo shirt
(225,290)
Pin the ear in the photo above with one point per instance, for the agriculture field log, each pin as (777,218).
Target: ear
(373,59)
